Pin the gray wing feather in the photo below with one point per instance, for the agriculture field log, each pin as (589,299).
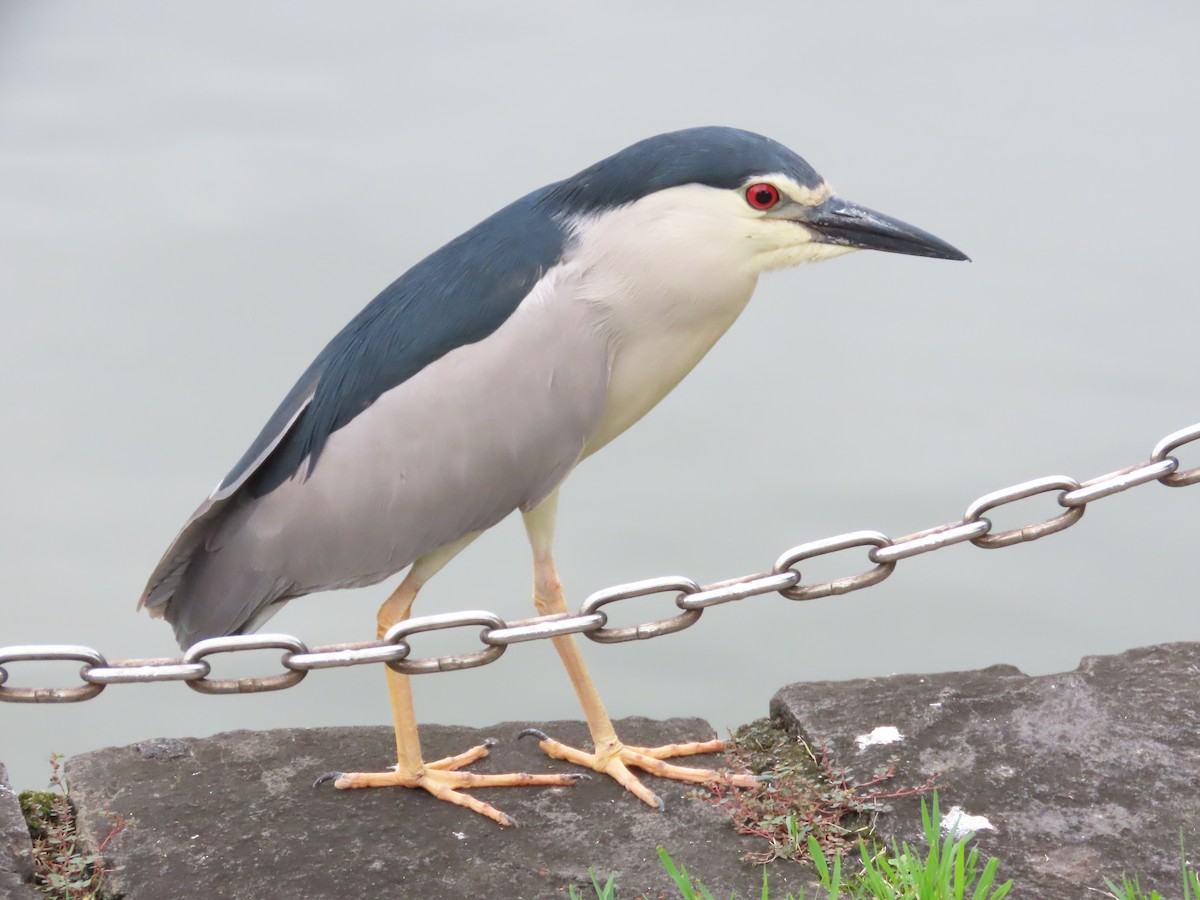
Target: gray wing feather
(488,428)
(165,578)
(457,296)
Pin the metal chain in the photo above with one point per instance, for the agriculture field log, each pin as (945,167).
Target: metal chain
(591,620)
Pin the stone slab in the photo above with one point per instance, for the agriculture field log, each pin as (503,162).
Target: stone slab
(236,816)
(1082,774)
(16,851)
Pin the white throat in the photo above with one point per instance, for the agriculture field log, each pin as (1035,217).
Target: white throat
(667,276)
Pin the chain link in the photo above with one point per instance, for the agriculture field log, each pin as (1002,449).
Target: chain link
(813,549)
(690,598)
(1174,441)
(50,652)
(452,662)
(658,627)
(1017,492)
(234,643)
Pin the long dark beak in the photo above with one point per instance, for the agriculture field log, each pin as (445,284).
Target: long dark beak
(846,224)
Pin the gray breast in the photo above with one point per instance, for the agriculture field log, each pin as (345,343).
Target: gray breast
(489,428)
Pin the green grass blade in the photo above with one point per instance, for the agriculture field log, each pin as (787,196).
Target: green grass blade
(608,890)
(678,875)
(819,862)
(683,881)
(960,871)
(1191,882)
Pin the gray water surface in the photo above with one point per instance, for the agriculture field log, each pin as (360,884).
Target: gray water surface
(195,196)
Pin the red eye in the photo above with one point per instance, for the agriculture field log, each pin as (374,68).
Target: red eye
(762,195)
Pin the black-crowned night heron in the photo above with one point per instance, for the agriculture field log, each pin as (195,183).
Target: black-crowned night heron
(476,382)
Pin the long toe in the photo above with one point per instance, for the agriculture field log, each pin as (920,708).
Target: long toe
(445,780)
(616,762)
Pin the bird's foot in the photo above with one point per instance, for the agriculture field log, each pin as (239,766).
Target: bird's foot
(443,779)
(615,759)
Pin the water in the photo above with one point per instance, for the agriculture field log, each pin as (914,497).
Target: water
(195,196)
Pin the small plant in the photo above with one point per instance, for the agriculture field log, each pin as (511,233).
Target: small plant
(606,891)
(60,870)
(1131,889)
(806,797)
(695,890)
(947,872)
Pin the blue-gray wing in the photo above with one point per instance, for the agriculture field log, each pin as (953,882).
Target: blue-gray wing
(458,295)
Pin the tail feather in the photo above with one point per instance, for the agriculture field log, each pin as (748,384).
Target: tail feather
(216,598)
(192,538)
(203,587)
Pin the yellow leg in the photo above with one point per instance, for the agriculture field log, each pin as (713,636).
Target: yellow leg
(442,777)
(609,755)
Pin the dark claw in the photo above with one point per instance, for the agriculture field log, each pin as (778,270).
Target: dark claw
(328,776)
(533,732)
(490,742)
(581,776)
(765,779)
(662,807)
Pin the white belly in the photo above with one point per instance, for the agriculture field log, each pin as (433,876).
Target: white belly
(649,357)
(666,276)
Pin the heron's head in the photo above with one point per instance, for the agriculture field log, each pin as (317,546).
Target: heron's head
(739,196)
